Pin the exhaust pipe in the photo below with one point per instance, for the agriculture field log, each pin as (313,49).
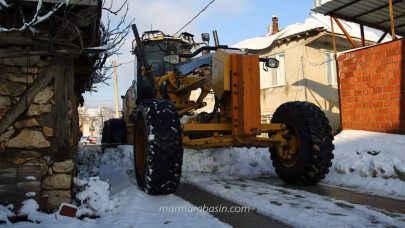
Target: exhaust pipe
(215,34)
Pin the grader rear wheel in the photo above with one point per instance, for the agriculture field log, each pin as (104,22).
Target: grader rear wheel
(158,151)
(307,157)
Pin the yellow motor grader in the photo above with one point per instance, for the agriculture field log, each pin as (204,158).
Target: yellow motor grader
(167,71)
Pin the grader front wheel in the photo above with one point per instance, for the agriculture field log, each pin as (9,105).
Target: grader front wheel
(307,157)
(158,151)
(290,154)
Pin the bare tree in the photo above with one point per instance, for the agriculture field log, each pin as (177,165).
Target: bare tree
(109,40)
(83,115)
(107,113)
(112,39)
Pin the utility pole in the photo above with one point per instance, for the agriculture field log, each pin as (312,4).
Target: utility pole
(116,89)
(91,127)
(101,115)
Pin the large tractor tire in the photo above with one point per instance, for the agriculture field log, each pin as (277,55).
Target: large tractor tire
(118,131)
(114,131)
(106,133)
(310,144)
(158,150)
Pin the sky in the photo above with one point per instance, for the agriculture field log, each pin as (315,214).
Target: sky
(234,20)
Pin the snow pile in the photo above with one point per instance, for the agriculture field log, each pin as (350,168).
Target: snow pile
(229,163)
(400,170)
(5,213)
(93,196)
(30,209)
(90,162)
(369,162)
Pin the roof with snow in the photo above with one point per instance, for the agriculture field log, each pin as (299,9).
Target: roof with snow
(317,22)
(372,13)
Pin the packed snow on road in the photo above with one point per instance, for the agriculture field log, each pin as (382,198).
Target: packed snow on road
(107,194)
(365,162)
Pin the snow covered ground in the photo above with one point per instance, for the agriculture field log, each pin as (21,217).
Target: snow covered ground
(121,205)
(295,207)
(364,161)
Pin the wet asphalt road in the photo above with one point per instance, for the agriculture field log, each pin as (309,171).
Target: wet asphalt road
(200,197)
(391,205)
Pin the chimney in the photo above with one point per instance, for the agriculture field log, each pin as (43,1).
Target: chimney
(269,29)
(275,24)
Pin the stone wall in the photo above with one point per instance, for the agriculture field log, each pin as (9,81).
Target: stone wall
(31,142)
(32,175)
(44,69)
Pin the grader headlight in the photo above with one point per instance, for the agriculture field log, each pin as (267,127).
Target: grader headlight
(172,59)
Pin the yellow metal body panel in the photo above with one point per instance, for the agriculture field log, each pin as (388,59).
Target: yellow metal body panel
(246,95)
(272,127)
(164,38)
(237,141)
(129,105)
(221,68)
(130,133)
(206,127)
(222,136)
(227,127)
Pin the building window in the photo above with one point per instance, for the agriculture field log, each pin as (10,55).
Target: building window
(331,68)
(273,76)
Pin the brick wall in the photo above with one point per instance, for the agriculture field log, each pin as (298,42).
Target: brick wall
(373,88)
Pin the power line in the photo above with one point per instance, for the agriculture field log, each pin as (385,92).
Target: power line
(120,64)
(195,17)
(99,100)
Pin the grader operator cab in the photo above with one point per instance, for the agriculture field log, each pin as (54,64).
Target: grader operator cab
(299,136)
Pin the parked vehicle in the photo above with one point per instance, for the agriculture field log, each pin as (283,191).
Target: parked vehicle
(92,139)
(83,140)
